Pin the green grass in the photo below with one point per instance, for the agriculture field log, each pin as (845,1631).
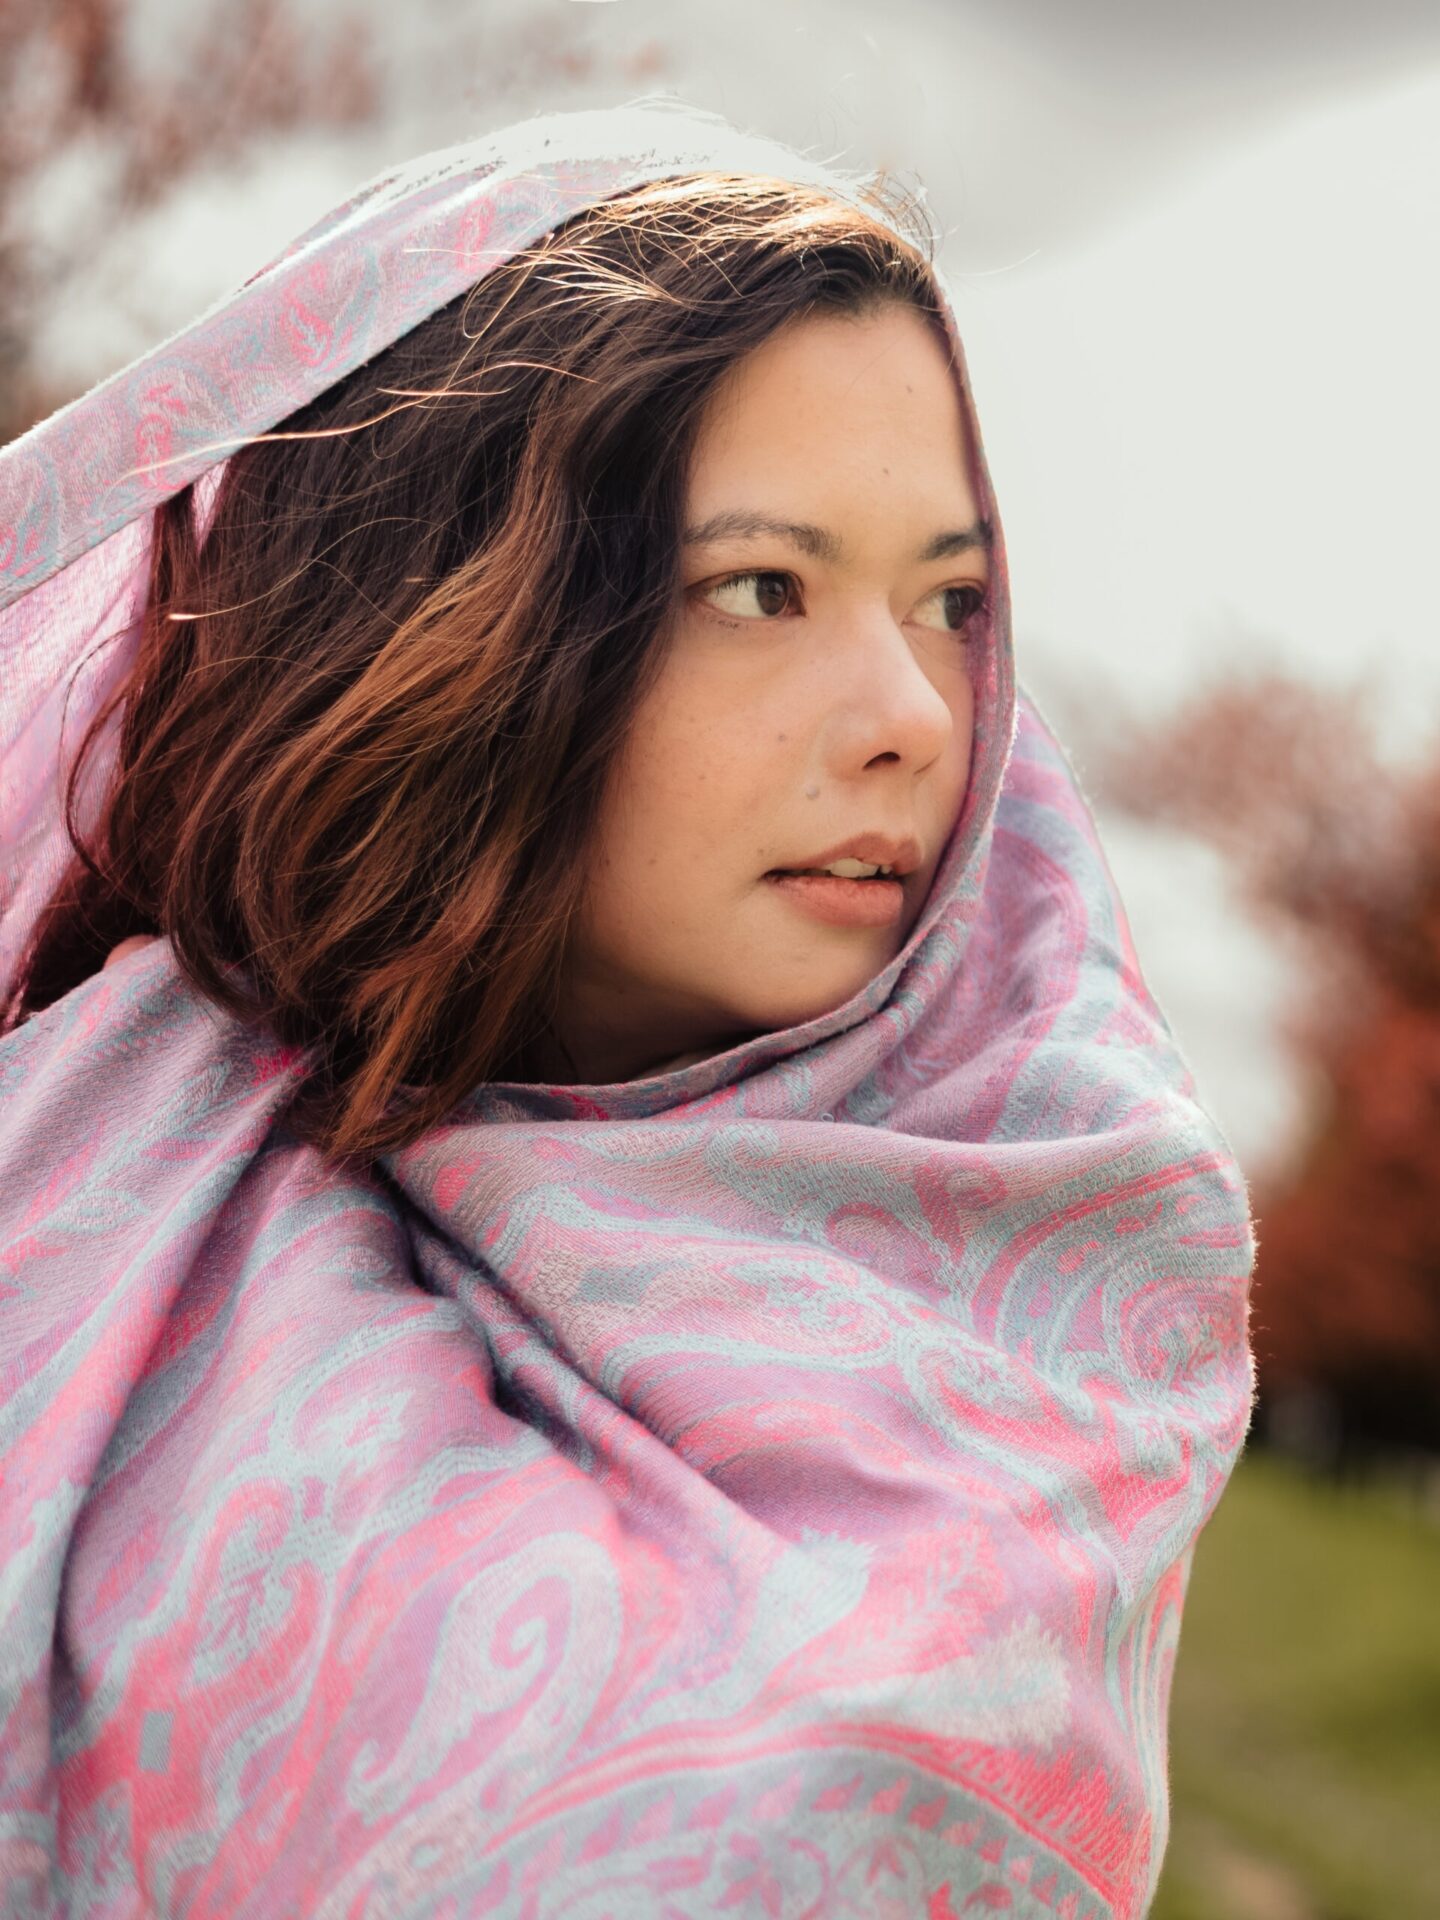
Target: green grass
(1305,1716)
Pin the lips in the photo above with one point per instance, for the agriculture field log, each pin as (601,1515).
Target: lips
(900,852)
(842,903)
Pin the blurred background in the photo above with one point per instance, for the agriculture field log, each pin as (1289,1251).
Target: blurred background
(1196,255)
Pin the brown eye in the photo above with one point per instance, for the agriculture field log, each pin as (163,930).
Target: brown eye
(962,604)
(767,592)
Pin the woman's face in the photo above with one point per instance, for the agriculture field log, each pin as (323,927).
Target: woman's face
(815,688)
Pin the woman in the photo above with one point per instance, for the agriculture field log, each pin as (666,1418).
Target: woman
(474,1441)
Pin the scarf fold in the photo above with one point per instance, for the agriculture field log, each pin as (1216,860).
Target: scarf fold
(768,1486)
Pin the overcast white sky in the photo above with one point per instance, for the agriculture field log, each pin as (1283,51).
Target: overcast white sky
(1194,253)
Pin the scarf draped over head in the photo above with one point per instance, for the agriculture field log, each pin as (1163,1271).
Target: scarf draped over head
(765,1487)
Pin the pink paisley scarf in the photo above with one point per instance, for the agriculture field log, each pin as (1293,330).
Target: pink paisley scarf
(765,1488)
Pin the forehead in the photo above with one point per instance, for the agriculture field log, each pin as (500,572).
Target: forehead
(889,373)
(891,340)
(837,415)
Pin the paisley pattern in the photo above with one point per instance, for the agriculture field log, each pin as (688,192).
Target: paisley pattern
(767,1488)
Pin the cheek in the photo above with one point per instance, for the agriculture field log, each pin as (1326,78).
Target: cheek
(961,700)
(686,787)
(648,859)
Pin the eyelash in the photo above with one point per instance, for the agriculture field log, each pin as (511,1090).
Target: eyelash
(981,608)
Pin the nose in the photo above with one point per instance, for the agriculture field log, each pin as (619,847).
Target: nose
(892,696)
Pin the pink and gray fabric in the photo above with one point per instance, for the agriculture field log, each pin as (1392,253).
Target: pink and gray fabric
(767,1488)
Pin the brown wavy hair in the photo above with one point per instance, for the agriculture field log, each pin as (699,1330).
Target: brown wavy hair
(372,715)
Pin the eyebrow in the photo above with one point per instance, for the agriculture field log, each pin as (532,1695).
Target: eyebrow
(820,543)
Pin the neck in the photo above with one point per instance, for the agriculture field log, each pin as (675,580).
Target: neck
(555,1061)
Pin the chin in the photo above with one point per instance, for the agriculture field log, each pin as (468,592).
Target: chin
(820,995)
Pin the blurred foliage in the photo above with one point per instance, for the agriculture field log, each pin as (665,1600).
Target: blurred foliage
(147,107)
(1304,1762)
(1339,853)
(70,74)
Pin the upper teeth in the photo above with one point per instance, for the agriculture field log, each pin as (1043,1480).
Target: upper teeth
(854,869)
